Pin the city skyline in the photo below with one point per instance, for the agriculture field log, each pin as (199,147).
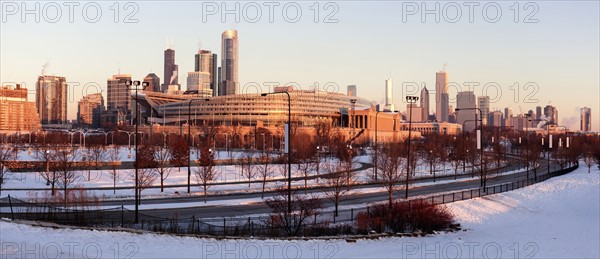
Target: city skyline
(283,64)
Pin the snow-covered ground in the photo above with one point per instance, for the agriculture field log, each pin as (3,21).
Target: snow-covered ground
(558,218)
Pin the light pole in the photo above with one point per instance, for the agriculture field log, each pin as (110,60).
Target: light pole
(289,147)
(465,143)
(410,100)
(188,141)
(479,140)
(135,86)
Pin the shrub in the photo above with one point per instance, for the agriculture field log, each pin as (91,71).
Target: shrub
(405,217)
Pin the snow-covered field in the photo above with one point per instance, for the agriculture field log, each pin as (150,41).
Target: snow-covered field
(558,218)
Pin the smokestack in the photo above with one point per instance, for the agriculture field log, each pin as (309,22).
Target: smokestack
(45,67)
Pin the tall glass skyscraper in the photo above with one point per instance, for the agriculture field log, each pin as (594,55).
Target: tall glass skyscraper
(229,63)
(171,71)
(586,119)
(442,100)
(51,99)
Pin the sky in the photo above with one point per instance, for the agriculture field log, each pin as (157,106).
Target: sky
(521,55)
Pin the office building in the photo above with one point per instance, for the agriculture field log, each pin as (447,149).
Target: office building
(466,100)
(484,105)
(118,99)
(229,63)
(51,99)
(199,83)
(153,83)
(17,114)
(551,114)
(495,119)
(205,61)
(586,119)
(89,111)
(508,114)
(442,100)
(413,113)
(425,104)
(171,71)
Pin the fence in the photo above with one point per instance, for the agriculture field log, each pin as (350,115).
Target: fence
(318,225)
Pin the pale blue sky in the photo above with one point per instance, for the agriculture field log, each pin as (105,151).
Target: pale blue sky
(369,43)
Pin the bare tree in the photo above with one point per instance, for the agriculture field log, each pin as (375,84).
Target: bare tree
(265,170)
(115,163)
(97,154)
(302,208)
(65,164)
(390,163)
(162,156)
(179,151)
(304,152)
(246,163)
(5,154)
(432,153)
(44,153)
(146,178)
(338,182)
(206,173)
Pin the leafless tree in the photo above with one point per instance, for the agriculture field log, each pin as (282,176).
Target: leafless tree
(391,168)
(5,155)
(338,182)
(246,163)
(302,208)
(44,153)
(162,156)
(206,173)
(65,163)
(97,155)
(265,170)
(304,153)
(115,163)
(179,150)
(146,178)
(432,153)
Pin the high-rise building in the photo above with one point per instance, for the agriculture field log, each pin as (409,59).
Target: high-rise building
(538,112)
(351,90)
(206,61)
(119,98)
(229,63)
(586,119)
(389,95)
(51,99)
(551,114)
(425,104)
(89,110)
(171,71)
(495,119)
(413,112)
(466,100)
(199,83)
(484,105)
(442,100)
(153,83)
(508,117)
(16,113)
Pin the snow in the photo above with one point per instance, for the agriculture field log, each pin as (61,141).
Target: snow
(558,218)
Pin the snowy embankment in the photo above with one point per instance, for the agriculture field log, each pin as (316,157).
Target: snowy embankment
(558,218)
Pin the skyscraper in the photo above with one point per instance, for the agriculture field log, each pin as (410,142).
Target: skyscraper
(484,106)
(351,90)
(495,119)
(16,113)
(425,104)
(586,119)
(551,114)
(229,63)
(466,100)
(119,97)
(153,83)
(206,62)
(389,95)
(89,110)
(508,117)
(171,71)
(199,82)
(51,99)
(538,112)
(441,96)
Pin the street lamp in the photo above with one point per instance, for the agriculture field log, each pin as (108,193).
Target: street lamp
(188,141)
(288,147)
(135,86)
(465,143)
(479,144)
(410,100)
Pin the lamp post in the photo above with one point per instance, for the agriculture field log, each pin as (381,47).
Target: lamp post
(189,176)
(135,86)
(479,140)
(410,100)
(289,148)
